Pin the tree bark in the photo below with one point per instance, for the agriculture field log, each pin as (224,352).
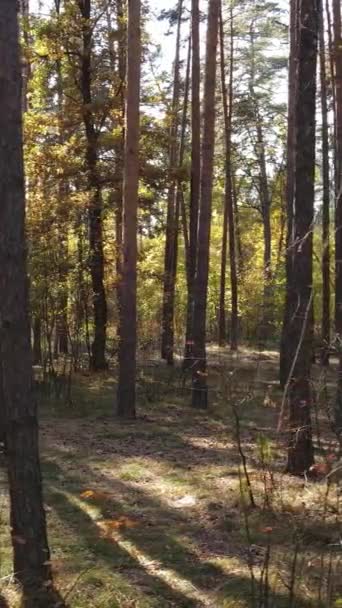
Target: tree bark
(325,329)
(199,368)
(167,338)
(98,358)
(31,557)
(265,201)
(228,215)
(37,341)
(126,395)
(300,449)
(338,202)
(286,347)
(195,177)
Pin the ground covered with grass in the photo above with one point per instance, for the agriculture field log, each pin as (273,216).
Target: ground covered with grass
(157,513)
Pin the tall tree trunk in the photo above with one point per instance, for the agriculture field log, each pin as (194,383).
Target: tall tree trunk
(228,217)
(62,308)
(195,177)
(199,368)
(338,203)
(180,193)
(265,200)
(31,557)
(98,360)
(286,346)
(167,338)
(326,197)
(120,146)
(333,82)
(128,330)
(300,450)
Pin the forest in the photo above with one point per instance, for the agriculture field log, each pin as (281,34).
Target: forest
(170,304)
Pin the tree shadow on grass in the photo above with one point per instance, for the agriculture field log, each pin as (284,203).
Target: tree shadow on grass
(156,543)
(107,551)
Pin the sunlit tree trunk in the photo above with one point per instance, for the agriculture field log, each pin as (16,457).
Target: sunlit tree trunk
(126,394)
(300,450)
(180,194)
(31,557)
(228,214)
(199,368)
(325,330)
(286,346)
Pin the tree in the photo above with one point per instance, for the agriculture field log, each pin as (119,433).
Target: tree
(195,177)
(128,331)
(326,196)
(228,215)
(98,360)
(286,346)
(300,451)
(31,556)
(167,339)
(338,202)
(199,375)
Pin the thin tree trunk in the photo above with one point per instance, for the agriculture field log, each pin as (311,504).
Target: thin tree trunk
(228,218)
(126,395)
(37,341)
(237,225)
(180,203)
(300,449)
(167,338)
(338,188)
(199,368)
(286,347)
(119,149)
(195,177)
(31,557)
(333,83)
(98,359)
(326,198)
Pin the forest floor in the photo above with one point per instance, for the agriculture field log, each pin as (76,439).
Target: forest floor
(155,513)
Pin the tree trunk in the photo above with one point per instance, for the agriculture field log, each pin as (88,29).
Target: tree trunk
(325,330)
(338,205)
(286,347)
(333,82)
(62,327)
(31,557)
(128,331)
(265,200)
(199,373)
(180,193)
(120,146)
(228,216)
(37,341)
(98,359)
(167,338)
(195,178)
(300,450)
